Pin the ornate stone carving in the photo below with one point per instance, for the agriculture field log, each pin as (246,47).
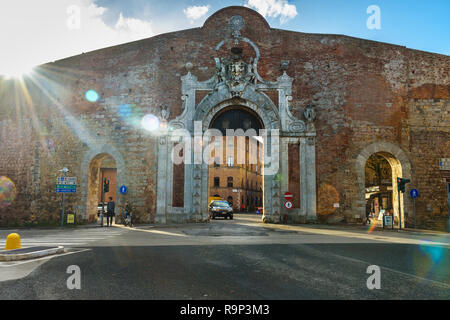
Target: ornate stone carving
(235,73)
(177,125)
(297,126)
(189,66)
(284,65)
(310,113)
(164,113)
(236,24)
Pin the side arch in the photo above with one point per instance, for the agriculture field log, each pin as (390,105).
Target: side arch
(401,167)
(91,155)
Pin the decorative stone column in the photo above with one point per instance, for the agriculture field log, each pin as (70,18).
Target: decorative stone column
(163,163)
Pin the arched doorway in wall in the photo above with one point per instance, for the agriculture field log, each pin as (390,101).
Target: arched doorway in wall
(101,166)
(376,164)
(379,187)
(236,169)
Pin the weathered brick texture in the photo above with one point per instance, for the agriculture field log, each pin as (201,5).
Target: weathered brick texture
(365,92)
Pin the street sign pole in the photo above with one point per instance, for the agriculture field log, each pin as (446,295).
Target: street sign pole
(103,203)
(62,214)
(414,194)
(399,211)
(65,170)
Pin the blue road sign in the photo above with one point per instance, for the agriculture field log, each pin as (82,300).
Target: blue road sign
(66,190)
(414,193)
(123,189)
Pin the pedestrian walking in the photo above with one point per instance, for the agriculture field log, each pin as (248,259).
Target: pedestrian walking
(110,211)
(368,212)
(128,214)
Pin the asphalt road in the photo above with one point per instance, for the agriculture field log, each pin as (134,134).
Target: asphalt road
(242,260)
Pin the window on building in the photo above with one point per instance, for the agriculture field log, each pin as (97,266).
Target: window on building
(230,182)
(216,182)
(230,161)
(217,162)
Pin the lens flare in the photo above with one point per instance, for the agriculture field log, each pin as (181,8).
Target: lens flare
(124,110)
(430,258)
(372,226)
(150,122)
(91,96)
(433,252)
(7,192)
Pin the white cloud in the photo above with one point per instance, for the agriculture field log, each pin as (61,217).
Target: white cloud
(134,28)
(274,9)
(36,32)
(196,12)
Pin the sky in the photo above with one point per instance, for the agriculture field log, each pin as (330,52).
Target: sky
(33,32)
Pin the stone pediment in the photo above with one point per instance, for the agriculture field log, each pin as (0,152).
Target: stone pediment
(236,76)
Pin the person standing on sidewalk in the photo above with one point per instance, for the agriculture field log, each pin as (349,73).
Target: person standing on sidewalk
(128,213)
(110,211)
(368,212)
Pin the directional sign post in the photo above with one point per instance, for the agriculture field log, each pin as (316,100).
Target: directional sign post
(414,193)
(288,197)
(65,185)
(123,190)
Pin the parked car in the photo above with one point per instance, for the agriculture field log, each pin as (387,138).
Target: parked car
(220,208)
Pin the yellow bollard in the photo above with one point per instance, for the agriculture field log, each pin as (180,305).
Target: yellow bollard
(13,242)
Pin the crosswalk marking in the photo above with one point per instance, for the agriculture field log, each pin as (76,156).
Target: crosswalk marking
(67,237)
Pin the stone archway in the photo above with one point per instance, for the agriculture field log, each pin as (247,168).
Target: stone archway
(238,169)
(90,169)
(271,189)
(236,81)
(401,167)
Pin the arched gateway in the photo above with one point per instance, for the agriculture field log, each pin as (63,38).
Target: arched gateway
(236,82)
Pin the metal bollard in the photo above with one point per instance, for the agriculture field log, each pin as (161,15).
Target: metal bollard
(13,242)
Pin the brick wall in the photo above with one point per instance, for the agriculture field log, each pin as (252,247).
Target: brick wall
(365,91)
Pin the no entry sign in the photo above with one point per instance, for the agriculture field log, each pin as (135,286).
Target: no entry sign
(288,196)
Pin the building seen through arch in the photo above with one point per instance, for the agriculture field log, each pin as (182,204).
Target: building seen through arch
(237,172)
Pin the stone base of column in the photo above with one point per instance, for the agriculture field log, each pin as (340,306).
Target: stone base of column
(160,219)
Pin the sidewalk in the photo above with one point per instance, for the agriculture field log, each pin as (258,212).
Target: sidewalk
(357,227)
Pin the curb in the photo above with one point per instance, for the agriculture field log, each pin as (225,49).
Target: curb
(30,255)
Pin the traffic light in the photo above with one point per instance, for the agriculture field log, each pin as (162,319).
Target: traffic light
(106,186)
(401,184)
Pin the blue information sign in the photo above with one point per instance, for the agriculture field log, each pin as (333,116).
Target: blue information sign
(123,189)
(414,193)
(388,222)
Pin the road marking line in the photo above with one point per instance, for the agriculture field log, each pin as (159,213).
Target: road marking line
(44,258)
(156,231)
(348,234)
(443,284)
